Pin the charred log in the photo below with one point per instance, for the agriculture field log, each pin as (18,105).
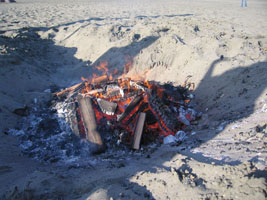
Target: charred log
(138,131)
(141,108)
(164,115)
(130,107)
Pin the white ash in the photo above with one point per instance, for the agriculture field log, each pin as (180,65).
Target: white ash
(46,136)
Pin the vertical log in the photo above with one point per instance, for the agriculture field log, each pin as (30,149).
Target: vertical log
(90,126)
(139,130)
(72,118)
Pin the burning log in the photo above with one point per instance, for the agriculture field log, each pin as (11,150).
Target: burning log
(89,121)
(138,131)
(75,87)
(100,79)
(164,115)
(130,107)
(141,108)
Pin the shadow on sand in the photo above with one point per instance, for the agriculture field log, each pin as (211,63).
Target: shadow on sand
(229,83)
(220,93)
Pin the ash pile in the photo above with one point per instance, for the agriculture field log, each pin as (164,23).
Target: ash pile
(116,119)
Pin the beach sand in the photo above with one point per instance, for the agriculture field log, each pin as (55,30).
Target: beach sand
(221,46)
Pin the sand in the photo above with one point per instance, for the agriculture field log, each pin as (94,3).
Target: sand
(219,45)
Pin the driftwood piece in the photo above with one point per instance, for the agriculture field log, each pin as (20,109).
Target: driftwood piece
(138,131)
(90,126)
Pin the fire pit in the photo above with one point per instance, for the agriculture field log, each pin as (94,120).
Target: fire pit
(106,114)
(138,110)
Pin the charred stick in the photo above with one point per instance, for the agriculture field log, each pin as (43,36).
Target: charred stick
(141,108)
(81,129)
(72,118)
(139,130)
(130,107)
(68,89)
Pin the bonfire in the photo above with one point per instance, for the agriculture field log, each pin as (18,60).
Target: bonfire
(136,108)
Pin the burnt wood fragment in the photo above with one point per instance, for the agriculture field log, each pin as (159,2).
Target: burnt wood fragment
(150,118)
(73,88)
(74,93)
(113,91)
(72,118)
(141,108)
(90,126)
(107,106)
(166,118)
(138,131)
(130,107)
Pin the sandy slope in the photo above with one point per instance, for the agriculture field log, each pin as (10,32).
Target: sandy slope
(48,44)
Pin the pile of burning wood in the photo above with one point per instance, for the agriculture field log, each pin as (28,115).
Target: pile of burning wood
(141,110)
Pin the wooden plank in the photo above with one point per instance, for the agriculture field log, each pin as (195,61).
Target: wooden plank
(90,126)
(138,131)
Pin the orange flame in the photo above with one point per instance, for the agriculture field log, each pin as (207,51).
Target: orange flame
(84,79)
(103,67)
